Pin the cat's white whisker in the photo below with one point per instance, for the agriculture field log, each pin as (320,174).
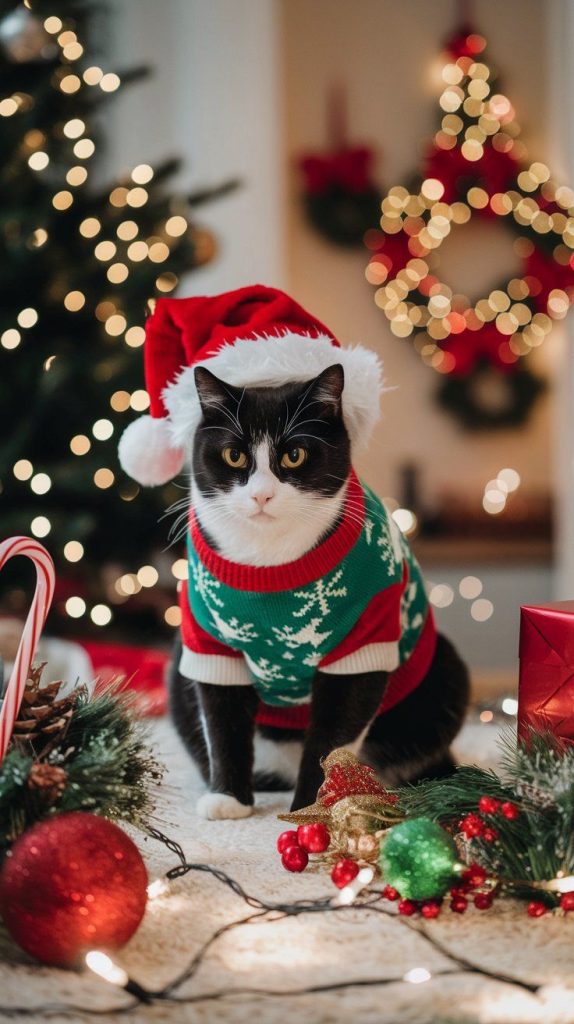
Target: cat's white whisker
(302,399)
(313,437)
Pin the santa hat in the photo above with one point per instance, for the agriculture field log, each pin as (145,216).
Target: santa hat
(254,336)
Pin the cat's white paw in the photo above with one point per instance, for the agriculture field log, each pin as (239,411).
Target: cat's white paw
(214,806)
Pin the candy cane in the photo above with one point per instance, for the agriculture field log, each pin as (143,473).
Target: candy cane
(45,580)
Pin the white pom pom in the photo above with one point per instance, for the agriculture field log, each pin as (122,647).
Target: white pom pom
(146,452)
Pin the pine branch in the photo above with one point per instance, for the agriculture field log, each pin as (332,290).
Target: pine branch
(538,777)
(103,759)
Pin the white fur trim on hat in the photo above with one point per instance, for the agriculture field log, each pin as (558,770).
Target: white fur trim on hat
(147,454)
(276,360)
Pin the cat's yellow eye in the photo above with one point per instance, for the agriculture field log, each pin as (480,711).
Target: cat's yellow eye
(234,457)
(294,458)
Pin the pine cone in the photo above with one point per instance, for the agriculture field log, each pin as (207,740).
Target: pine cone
(43,720)
(49,779)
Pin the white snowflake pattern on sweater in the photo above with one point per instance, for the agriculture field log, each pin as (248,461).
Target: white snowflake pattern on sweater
(319,595)
(389,542)
(206,584)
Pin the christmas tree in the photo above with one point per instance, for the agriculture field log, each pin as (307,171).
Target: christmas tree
(80,264)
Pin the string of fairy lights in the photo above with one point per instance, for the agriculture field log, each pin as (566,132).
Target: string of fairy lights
(414,299)
(355,896)
(120,253)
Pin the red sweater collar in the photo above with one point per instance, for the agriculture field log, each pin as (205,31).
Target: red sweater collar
(304,570)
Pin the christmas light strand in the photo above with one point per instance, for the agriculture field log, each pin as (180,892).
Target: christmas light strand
(264,913)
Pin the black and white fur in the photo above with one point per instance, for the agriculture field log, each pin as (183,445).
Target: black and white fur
(264,514)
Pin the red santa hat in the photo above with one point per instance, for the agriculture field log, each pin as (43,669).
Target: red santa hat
(250,337)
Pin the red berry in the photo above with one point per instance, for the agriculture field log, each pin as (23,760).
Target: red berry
(483,901)
(430,909)
(345,871)
(459,890)
(459,904)
(314,838)
(567,901)
(536,909)
(407,908)
(389,893)
(472,825)
(474,876)
(287,839)
(488,804)
(489,835)
(294,858)
(509,810)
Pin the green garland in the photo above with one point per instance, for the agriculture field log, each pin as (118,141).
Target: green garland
(537,846)
(108,769)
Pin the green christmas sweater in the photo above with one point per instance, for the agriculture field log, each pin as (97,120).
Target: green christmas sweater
(355,603)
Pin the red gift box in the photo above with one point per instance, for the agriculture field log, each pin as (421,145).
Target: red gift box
(140,669)
(546,687)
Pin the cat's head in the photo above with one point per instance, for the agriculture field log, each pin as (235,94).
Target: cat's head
(269,465)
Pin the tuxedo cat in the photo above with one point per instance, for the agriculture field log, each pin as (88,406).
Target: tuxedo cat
(306,617)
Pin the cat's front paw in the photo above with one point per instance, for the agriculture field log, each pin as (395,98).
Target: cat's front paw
(219,806)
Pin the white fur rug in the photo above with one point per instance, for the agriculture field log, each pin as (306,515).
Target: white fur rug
(308,950)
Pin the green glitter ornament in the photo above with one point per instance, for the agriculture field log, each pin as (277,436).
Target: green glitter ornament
(419,859)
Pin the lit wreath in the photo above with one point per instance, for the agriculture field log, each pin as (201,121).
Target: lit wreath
(473,169)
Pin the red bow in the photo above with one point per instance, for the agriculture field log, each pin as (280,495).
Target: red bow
(347,169)
(485,345)
(495,171)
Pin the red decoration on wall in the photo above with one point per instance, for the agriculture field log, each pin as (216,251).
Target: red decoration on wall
(347,169)
(341,197)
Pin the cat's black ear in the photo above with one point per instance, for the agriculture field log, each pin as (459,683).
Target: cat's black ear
(212,391)
(328,389)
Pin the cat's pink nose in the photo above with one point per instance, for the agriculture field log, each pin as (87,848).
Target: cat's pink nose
(262,497)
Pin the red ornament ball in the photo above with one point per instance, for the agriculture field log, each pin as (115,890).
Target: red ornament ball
(345,871)
(488,805)
(536,908)
(509,810)
(483,901)
(407,908)
(458,904)
(70,884)
(431,909)
(314,838)
(390,893)
(567,901)
(288,838)
(294,858)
